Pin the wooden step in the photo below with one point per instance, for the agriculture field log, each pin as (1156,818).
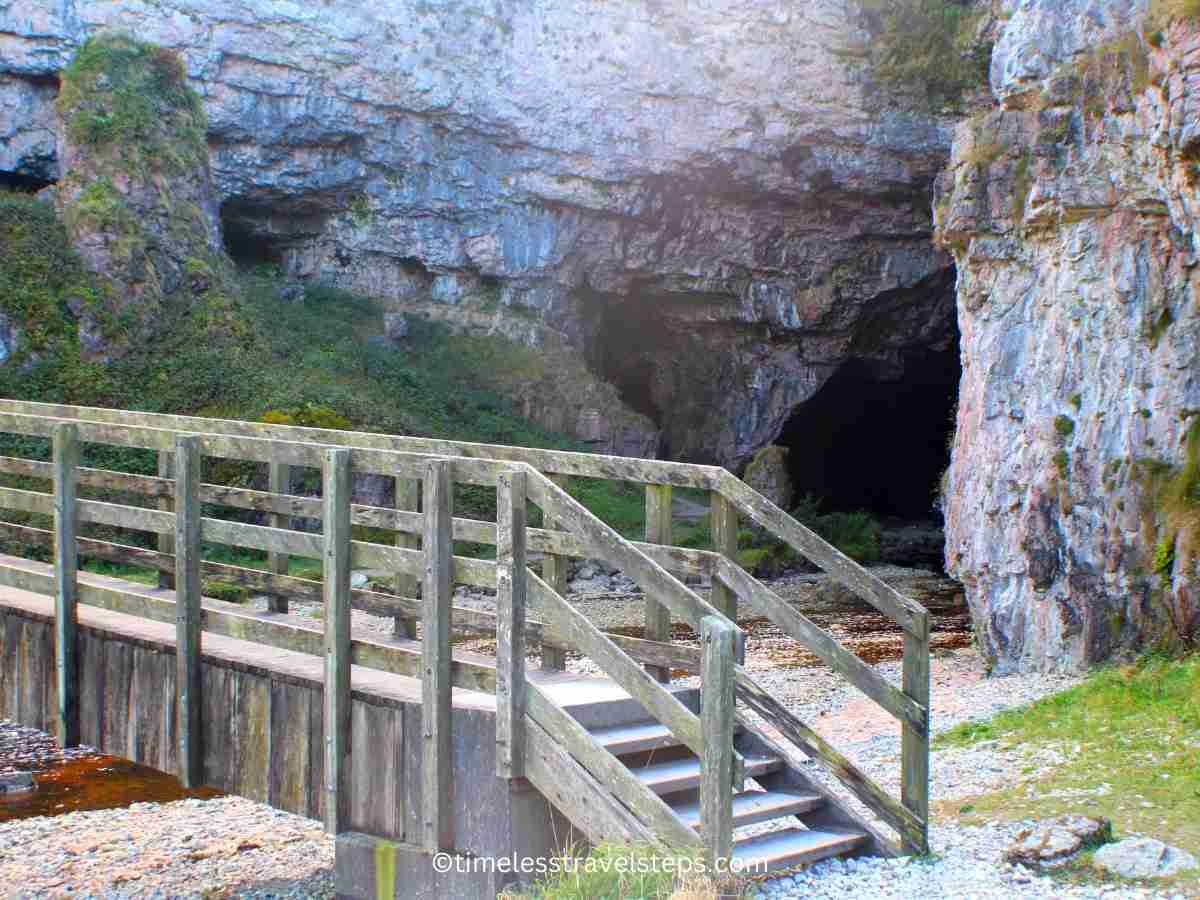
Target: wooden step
(756,806)
(682,774)
(636,738)
(793,847)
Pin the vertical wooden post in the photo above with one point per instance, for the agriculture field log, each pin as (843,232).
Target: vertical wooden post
(724,519)
(66,582)
(510,624)
(716,722)
(408,498)
(279,481)
(166,542)
(914,742)
(658,531)
(187,609)
(437,762)
(554,573)
(336,584)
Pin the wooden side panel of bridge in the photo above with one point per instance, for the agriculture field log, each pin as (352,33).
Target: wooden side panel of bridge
(436,750)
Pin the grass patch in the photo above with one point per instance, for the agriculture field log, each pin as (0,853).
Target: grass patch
(611,872)
(1163,11)
(1133,728)
(928,47)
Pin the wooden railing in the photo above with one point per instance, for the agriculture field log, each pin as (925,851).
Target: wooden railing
(525,714)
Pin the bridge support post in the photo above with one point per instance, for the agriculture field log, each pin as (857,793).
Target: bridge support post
(187,609)
(554,573)
(437,761)
(66,583)
(336,587)
(408,499)
(658,531)
(279,481)
(914,741)
(717,713)
(510,625)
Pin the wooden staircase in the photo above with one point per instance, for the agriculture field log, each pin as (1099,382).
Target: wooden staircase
(782,798)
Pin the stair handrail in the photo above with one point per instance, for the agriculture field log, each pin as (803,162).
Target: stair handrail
(910,704)
(708,735)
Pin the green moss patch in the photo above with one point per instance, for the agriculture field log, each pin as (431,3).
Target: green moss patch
(133,97)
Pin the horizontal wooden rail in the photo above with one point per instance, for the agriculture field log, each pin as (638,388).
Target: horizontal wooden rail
(258,579)
(229,620)
(558,462)
(561,543)
(909,615)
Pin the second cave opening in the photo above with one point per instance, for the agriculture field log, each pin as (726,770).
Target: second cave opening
(879,444)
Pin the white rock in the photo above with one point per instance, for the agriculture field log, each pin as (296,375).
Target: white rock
(1143,857)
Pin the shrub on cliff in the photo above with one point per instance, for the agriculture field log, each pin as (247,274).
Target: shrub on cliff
(931,47)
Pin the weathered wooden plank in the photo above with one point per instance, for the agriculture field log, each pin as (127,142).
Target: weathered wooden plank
(554,571)
(336,571)
(658,531)
(511,591)
(408,499)
(550,461)
(279,481)
(914,742)
(724,520)
(188,702)
(437,776)
(291,733)
(911,616)
(586,803)
(647,806)
(717,712)
(815,639)
(817,748)
(66,586)
(253,715)
(605,543)
(377,757)
(166,541)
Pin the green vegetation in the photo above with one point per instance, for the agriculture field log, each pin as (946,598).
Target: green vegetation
(1064,426)
(929,47)
(133,97)
(1173,508)
(611,872)
(1022,185)
(1062,463)
(1130,737)
(40,280)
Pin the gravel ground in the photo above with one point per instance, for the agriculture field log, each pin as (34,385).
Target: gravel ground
(967,865)
(231,847)
(227,847)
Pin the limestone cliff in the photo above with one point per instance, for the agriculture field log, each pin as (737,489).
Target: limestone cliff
(1071,210)
(710,201)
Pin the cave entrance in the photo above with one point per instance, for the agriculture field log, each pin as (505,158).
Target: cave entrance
(23,183)
(867,441)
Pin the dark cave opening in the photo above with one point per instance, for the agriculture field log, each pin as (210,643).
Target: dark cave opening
(246,245)
(23,183)
(868,443)
(627,339)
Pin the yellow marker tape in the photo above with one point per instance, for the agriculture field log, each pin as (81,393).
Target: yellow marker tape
(385,870)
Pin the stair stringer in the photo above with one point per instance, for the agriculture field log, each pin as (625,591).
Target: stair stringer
(833,815)
(571,789)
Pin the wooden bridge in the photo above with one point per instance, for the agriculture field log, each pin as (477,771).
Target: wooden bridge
(402,745)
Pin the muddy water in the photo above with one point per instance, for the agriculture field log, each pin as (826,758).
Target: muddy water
(94,782)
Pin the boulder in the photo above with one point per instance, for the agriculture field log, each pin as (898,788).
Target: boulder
(1055,841)
(1143,857)
(768,474)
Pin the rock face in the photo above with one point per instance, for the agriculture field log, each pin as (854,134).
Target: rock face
(1071,210)
(768,474)
(713,203)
